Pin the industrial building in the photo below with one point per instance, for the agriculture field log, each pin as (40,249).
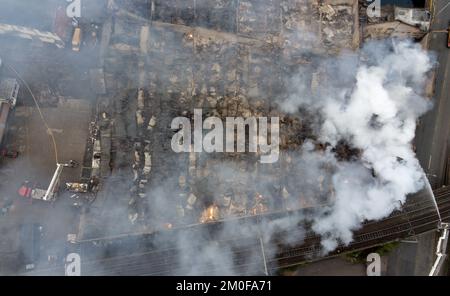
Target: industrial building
(9,89)
(99,92)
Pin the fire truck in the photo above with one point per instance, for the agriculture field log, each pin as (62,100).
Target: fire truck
(32,190)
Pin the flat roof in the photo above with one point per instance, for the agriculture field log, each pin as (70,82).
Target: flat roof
(7,87)
(4,112)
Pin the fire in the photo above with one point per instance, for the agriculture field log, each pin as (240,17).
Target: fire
(260,206)
(211,214)
(189,36)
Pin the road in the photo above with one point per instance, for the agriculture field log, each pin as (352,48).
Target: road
(432,135)
(60,80)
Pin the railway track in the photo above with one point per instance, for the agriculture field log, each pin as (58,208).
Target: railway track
(311,249)
(417,216)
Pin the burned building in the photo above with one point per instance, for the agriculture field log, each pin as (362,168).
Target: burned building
(228,58)
(225,135)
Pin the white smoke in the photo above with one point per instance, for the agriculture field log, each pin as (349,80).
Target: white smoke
(377,114)
(371,100)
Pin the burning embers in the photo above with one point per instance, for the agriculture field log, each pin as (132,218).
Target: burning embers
(210,214)
(213,213)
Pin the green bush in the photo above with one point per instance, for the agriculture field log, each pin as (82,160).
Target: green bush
(361,256)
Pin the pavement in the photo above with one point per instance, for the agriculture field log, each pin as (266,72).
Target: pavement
(432,142)
(432,135)
(66,74)
(331,267)
(37,164)
(70,141)
(412,258)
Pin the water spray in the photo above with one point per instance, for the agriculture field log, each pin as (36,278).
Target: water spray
(430,190)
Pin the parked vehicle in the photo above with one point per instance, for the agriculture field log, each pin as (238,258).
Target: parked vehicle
(448,36)
(9,153)
(30,190)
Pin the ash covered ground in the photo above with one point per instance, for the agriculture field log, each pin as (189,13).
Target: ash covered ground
(238,66)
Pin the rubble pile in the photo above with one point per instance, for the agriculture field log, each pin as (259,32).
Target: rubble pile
(336,22)
(268,20)
(229,59)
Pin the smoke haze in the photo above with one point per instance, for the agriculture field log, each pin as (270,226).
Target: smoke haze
(372,102)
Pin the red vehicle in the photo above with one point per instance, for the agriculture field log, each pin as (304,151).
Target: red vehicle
(9,153)
(29,190)
(448,38)
(448,35)
(25,190)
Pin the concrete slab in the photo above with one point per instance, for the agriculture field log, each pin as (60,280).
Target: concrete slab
(69,123)
(332,267)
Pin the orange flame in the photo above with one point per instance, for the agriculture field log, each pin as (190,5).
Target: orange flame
(210,214)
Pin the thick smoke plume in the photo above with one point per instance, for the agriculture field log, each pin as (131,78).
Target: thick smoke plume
(369,100)
(372,104)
